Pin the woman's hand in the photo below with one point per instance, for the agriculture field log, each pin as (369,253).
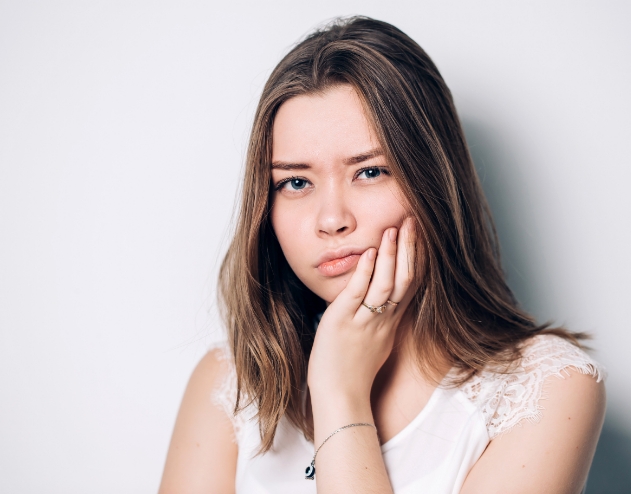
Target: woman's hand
(352,343)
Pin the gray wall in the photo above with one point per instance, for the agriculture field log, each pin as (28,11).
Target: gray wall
(122,134)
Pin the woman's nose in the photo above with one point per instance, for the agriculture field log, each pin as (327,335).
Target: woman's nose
(334,216)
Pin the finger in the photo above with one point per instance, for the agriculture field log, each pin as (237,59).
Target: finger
(406,252)
(355,291)
(382,282)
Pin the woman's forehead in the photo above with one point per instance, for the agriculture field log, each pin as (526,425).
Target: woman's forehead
(322,126)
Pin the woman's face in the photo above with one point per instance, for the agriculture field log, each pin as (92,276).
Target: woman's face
(333,194)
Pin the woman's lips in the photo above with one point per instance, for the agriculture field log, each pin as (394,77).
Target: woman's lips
(341,265)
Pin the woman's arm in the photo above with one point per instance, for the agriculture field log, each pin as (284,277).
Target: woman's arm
(351,460)
(202,457)
(350,346)
(551,456)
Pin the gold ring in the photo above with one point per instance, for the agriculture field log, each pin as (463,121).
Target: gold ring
(375,308)
(391,302)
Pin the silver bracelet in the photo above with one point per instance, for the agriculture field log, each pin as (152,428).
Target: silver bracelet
(310,471)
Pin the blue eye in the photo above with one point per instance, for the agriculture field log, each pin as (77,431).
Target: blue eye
(297,183)
(369,173)
(293,184)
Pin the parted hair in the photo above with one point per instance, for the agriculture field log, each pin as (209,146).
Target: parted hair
(462,311)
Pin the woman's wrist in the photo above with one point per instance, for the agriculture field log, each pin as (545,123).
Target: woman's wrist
(333,398)
(355,392)
(333,411)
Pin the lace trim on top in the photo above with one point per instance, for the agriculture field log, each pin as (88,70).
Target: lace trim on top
(225,394)
(507,399)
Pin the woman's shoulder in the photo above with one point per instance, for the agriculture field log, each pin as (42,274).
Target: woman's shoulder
(203,449)
(218,360)
(224,391)
(551,354)
(508,396)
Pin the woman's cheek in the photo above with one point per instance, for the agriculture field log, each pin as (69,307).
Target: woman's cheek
(378,212)
(292,237)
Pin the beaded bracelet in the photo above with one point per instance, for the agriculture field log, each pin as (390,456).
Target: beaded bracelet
(310,471)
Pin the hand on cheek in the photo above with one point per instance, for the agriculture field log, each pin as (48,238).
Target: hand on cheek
(353,342)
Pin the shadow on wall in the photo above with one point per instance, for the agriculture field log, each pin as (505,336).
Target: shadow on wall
(611,468)
(498,167)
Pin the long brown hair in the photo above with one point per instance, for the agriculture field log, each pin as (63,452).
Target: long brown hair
(463,309)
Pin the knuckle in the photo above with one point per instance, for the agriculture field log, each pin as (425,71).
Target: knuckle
(357,296)
(387,288)
(357,293)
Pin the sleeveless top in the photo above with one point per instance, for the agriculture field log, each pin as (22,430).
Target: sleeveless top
(436,450)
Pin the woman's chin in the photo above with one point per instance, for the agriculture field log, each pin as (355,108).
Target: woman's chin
(331,288)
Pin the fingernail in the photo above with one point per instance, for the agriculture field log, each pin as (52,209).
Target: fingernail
(372,253)
(393,235)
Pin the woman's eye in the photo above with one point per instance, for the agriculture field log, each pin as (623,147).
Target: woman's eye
(369,173)
(294,184)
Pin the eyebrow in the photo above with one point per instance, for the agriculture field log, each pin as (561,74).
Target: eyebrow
(353,160)
(360,158)
(281,165)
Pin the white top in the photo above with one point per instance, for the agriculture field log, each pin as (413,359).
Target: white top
(434,452)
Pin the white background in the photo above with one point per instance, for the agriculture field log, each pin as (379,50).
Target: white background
(123,127)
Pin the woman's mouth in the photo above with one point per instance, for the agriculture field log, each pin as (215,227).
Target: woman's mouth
(341,265)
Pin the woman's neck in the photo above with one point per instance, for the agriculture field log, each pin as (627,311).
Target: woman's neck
(402,387)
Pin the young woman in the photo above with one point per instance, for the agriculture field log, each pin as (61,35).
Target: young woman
(362,216)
